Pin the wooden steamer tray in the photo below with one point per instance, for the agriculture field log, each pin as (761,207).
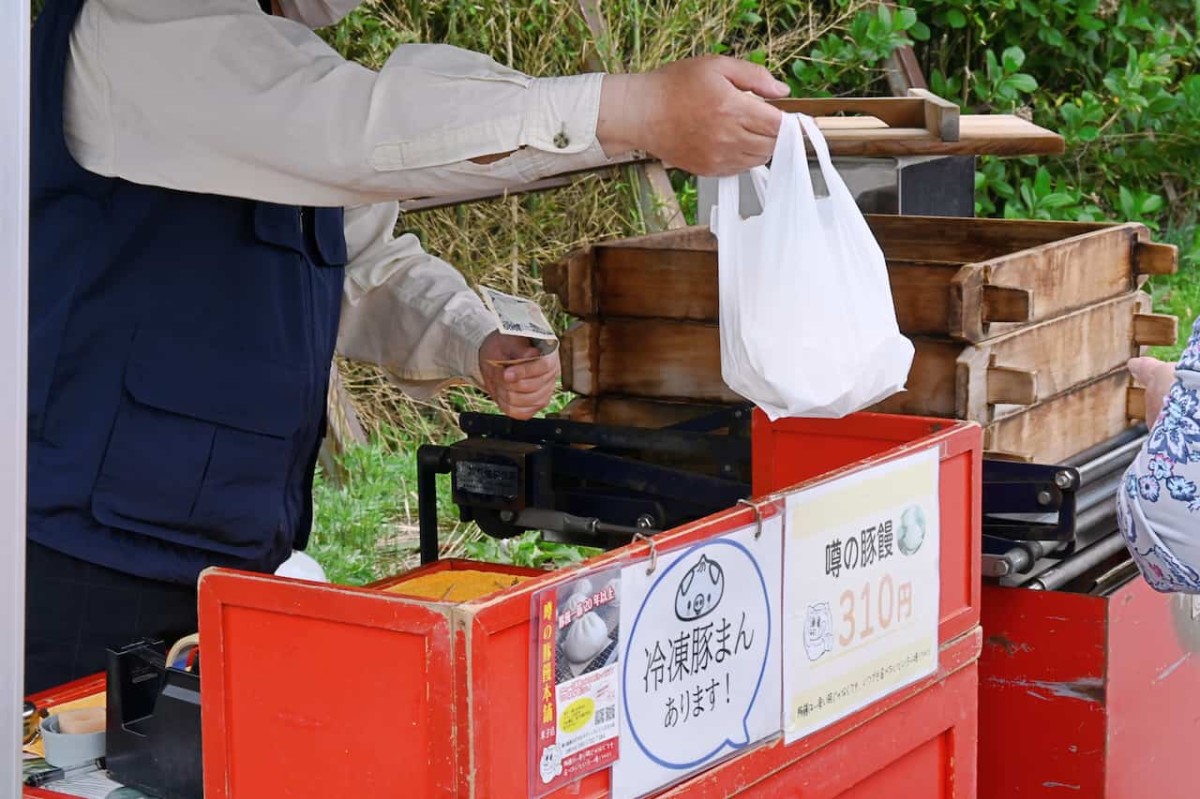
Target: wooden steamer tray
(669,359)
(966,279)
(1010,320)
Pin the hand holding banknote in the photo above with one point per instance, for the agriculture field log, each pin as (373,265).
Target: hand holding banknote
(519,362)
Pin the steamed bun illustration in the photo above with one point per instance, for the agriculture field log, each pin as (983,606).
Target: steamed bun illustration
(700,591)
(586,637)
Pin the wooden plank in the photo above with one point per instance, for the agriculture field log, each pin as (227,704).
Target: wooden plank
(634,412)
(941,116)
(967,240)
(1055,430)
(579,355)
(1002,304)
(572,280)
(1064,353)
(1156,259)
(1135,398)
(648,358)
(903,71)
(659,359)
(1155,330)
(1062,276)
(968,279)
(923,298)
(672,284)
(896,112)
(991,134)
(1007,386)
(650,282)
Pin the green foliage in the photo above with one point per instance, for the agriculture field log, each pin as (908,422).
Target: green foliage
(528,549)
(368,528)
(844,62)
(1118,80)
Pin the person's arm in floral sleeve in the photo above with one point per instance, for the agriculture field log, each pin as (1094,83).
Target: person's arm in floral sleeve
(1158,509)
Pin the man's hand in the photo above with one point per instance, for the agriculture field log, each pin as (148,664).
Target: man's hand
(521,390)
(694,114)
(1157,377)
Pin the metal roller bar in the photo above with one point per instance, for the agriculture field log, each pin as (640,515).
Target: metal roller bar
(1078,564)
(1117,459)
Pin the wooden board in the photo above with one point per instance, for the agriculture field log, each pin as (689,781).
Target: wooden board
(1066,425)
(968,279)
(633,412)
(656,358)
(670,359)
(921,124)
(1005,375)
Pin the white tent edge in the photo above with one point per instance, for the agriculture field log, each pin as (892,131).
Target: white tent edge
(14,274)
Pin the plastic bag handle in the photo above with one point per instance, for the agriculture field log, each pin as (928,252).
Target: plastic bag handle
(789,168)
(833,181)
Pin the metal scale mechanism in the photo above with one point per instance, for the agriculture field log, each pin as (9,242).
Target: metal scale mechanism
(1045,526)
(586,483)
(1048,527)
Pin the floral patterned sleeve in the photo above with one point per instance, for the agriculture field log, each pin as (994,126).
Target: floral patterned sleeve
(1159,509)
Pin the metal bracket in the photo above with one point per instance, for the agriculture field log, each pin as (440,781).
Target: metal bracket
(1029,501)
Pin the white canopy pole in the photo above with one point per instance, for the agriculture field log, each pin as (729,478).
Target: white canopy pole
(14,274)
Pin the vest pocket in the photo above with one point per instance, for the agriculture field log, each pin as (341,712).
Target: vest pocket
(202,448)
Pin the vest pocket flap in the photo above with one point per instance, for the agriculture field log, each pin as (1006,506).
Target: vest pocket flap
(223,388)
(279,225)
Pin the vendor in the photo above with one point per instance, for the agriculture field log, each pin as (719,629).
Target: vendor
(1158,509)
(213,201)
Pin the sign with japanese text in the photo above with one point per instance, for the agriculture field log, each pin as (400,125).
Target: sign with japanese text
(700,663)
(860,590)
(573,697)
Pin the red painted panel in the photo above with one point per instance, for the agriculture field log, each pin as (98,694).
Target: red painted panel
(1153,693)
(920,744)
(308,689)
(1041,698)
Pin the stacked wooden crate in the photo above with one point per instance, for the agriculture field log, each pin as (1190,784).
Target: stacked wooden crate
(1022,326)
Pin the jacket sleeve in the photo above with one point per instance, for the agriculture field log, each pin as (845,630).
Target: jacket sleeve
(411,314)
(218,97)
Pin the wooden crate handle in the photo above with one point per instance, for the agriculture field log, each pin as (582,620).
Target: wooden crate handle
(1155,330)
(1150,258)
(1011,386)
(941,116)
(1002,304)
(918,113)
(1135,403)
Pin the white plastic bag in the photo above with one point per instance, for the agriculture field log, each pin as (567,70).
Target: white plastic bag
(807,322)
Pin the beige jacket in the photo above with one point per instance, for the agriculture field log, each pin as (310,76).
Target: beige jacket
(214,96)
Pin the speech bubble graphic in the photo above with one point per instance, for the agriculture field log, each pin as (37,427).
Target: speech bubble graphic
(689,681)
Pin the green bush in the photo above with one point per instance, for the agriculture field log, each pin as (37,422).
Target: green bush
(1117,79)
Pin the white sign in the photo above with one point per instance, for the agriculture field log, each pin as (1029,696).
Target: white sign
(860,590)
(700,667)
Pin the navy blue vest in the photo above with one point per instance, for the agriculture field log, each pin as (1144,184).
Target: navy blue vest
(179,354)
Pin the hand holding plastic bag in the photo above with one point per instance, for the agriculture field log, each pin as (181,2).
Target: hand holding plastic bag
(808,327)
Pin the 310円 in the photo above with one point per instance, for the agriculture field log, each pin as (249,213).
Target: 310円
(876,607)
